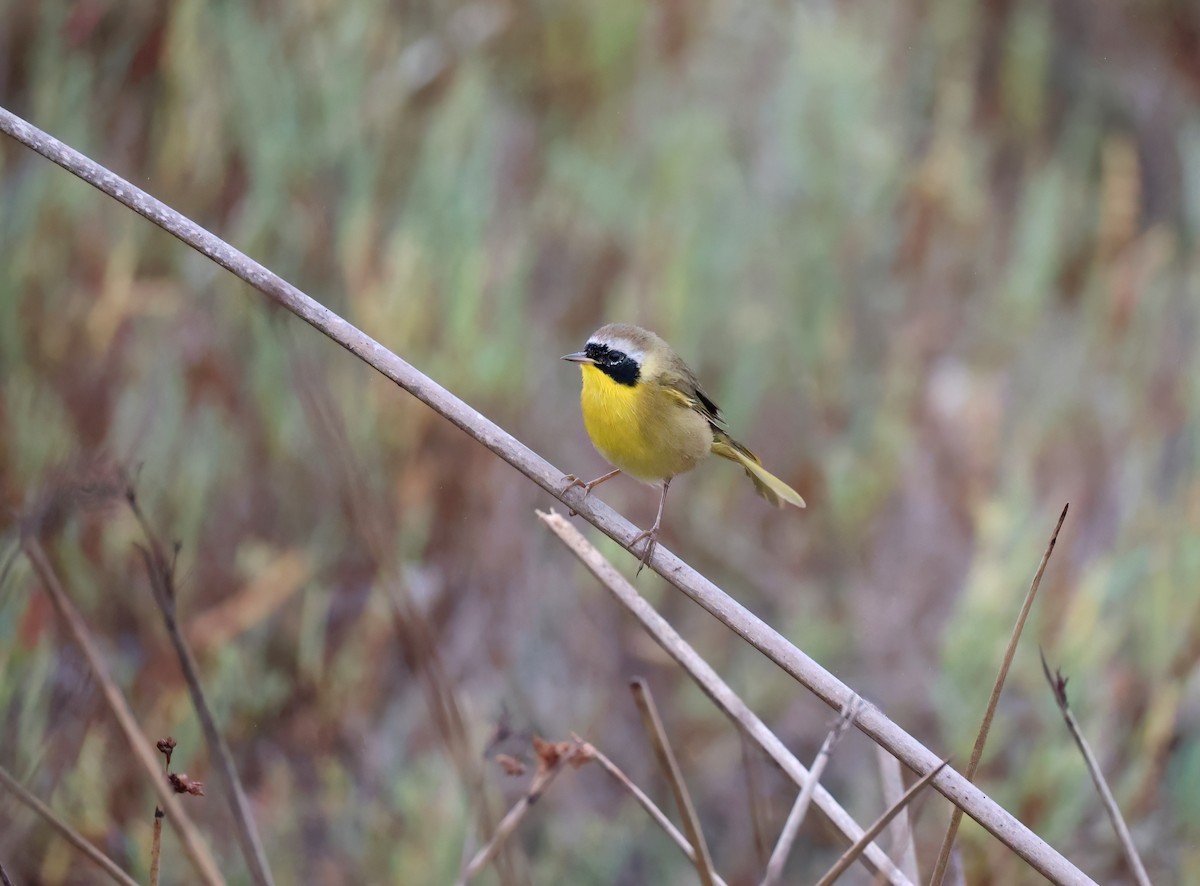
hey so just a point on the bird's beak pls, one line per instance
(579, 357)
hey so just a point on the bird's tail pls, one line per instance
(766, 484)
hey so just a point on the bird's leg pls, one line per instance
(651, 534)
(573, 481)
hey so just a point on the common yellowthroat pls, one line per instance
(647, 415)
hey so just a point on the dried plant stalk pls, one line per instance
(551, 760)
(998, 821)
(139, 743)
(161, 572)
(670, 767)
(1058, 685)
(939, 870)
(68, 833)
(715, 688)
(795, 818)
(847, 859)
(156, 847)
(646, 803)
(900, 832)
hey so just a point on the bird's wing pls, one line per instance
(681, 383)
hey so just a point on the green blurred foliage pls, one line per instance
(937, 261)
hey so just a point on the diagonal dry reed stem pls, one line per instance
(713, 686)
(939, 870)
(756, 802)
(900, 834)
(508, 824)
(791, 827)
(161, 571)
(68, 833)
(574, 753)
(1058, 685)
(671, 771)
(847, 859)
(645, 802)
(995, 819)
(139, 743)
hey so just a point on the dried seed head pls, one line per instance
(165, 746)
(511, 765)
(184, 785)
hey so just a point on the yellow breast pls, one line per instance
(642, 429)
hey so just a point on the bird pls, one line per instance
(648, 416)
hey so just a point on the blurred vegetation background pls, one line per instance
(937, 262)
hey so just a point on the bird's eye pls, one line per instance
(612, 358)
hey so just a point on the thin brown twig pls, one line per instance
(900, 833)
(791, 827)
(1058, 685)
(9, 559)
(994, 818)
(565, 753)
(441, 701)
(161, 571)
(943, 859)
(755, 801)
(671, 771)
(156, 846)
(139, 743)
(507, 825)
(165, 747)
(646, 803)
(726, 700)
(415, 636)
(68, 833)
(847, 859)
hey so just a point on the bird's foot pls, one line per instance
(650, 536)
(572, 481)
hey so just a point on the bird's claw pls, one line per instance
(572, 481)
(650, 536)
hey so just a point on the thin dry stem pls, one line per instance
(1058, 685)
(542, 779)
(646, 803)
(900, 832)
(744, 623)
(714, 687)
(847, 859)
(139, 743)
(791, 827)
(166, 747)
(156, 847)
(68, 833)
(756, 802)
(670, 767)
(939, 870)
(415, 636)
(161, 571)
